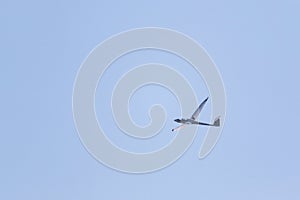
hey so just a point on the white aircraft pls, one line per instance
(192, 120)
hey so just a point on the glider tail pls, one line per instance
(217, 121)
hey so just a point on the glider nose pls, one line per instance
(177, 120)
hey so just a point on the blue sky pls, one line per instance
(255, 45)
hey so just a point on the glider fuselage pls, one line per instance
(186, 121)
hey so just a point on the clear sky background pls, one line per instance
(255, 45)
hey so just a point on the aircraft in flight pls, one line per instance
(192, 120)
